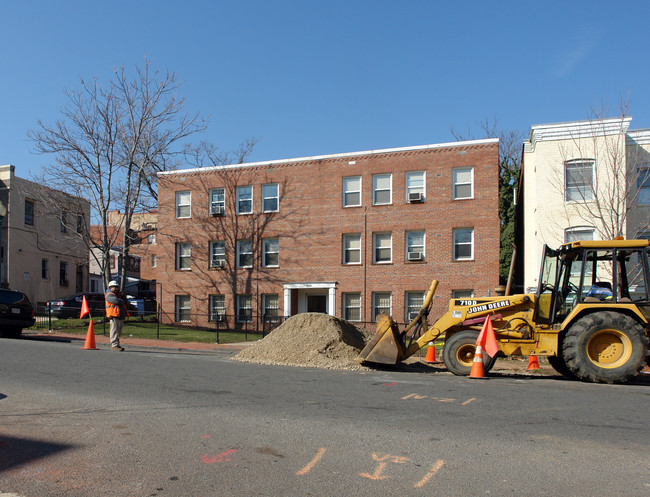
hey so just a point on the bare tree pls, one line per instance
(602, 176)
(109, 144)
(510, 144)
(224, 273)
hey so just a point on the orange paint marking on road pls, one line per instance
(223, 457)
(414, 396)
(468, 401)
(434, 469)
(312, 463)
(380, 467)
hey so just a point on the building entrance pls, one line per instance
(317, 303)
(313, 296)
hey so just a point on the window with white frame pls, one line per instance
(217, 202)
(244, 253)
(352, 249)
(463, 182)
(381, 304)
(643, 184)
(463, 244)
(244, 199)
(183, 309)
(183, 205)
(415, 243)
(352, 191)
(217, 308)
(574, 234)
(271, 252)
(352, 306)
(154, 260)
(183, 256)
(151, 239)
(382, 248)
(244, 308)
(271, 306)
(382, 189)
(579, 233)
(217, 254)
(270, 197)
(413, 302)
(462, 294)
(415, 186)
(579, 180)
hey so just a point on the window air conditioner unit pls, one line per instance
(415, 256)
(218, 263)
(416, 198)
(217, 210)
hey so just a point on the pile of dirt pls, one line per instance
(309, 340)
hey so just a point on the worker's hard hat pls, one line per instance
(113, 283)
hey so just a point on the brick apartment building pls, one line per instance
(350, 234)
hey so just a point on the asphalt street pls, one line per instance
(152, 422)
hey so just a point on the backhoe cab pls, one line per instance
(590, 317)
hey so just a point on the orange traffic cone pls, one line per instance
(431, 353)
(477, 365)
(90, 338)
(533, 363)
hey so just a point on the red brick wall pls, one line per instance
(311, 221)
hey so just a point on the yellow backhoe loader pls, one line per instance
(590, 317)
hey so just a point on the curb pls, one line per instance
(140, 342)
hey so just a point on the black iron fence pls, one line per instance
(250, 327)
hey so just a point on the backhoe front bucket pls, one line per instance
(386, 346)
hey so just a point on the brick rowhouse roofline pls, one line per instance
(487, 141)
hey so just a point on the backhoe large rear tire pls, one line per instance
(605, 347)
(458, 353)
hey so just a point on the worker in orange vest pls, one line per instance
(116, 312)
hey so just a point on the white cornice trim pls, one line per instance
(578, 129)
(334, 156)
(638, 137)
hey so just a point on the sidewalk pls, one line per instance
(102, 341)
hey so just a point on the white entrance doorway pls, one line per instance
(317, 296)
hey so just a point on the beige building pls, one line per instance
(581, 180)
(42, 252)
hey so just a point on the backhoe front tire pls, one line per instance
(605, 347)
(459, 350)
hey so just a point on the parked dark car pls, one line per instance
(16, 313)
(70, 307)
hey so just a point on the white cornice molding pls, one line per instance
(578, 129)
(334, 156)
(638, 137)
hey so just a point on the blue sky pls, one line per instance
(325, 77)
